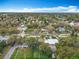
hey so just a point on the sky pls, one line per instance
(39, 6)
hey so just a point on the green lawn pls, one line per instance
(26, 53)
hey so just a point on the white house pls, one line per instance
(4, 38)
(74, 23)
(52, 42)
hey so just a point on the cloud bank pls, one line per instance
(52, 9)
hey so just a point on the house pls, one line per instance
(4, 38)
(74, 23)
(61, 29)
(22, 29)
(71, 23)
(52, 42)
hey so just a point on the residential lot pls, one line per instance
(26, 53)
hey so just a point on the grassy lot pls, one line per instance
(26, 53)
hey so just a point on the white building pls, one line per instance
(74, 23)
(52, 42)
(4, 38)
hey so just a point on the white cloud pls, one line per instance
(53, 9)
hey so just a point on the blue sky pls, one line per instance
(39, 5)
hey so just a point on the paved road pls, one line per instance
(12, 49)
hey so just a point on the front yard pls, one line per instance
(26, 53)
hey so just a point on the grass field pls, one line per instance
(26, 53)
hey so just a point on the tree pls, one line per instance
(33, 44)
(12, 39)
(64, 52)
(2, 45)
(45, 49)
(68, 48)
(3, 31)
(13, 30)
